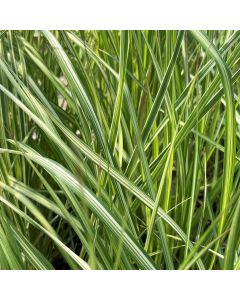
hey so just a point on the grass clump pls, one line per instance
(119, 150)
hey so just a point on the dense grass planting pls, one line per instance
(119, 150)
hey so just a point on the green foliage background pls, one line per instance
(119, 150)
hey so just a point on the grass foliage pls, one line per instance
(119, 150)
